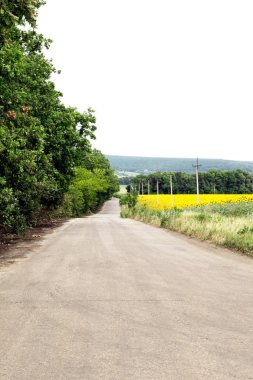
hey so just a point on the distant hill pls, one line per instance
(133, 164)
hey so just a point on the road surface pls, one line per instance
(109, 298)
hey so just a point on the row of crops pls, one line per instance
(166, 202)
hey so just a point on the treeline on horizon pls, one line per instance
(146, 165)
(211, 182)
(47, 164)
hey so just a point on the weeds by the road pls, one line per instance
(229, 225)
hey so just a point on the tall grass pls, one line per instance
(229, 225)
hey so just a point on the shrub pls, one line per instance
(203, 217)
(129, 199)
(11, 217)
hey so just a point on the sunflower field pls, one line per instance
(181, 201)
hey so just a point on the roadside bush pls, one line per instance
(245, 230)
(165, 220)
(11, 217)
(129, 199)
(203, 217)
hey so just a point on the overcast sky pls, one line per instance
(166, 78)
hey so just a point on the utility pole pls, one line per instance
(157, 191)
(148, 192)
(142, 187)
(197, 178)
(171, 192)
(139, 188)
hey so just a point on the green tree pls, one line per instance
(14, 13)
(41, 140)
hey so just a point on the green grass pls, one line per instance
(229, 225)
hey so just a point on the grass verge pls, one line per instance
(229, 225)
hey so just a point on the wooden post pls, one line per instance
(197, 184)
(157, 192)
(148, 192)
(197, 178)
(171, 193)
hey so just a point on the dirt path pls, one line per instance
(109, 298)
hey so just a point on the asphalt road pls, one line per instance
(109, 298)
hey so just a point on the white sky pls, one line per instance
(166, 78)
